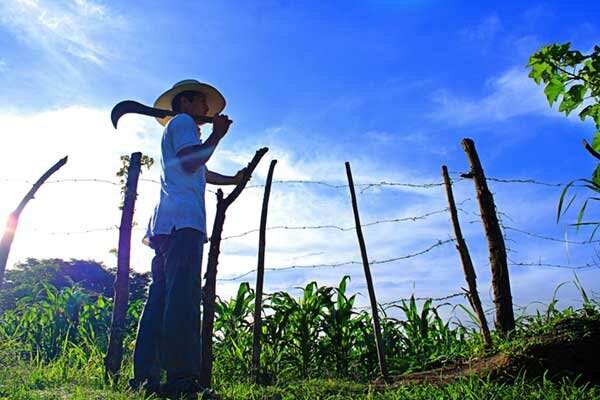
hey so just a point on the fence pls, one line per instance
(508, 228)
(365, 189)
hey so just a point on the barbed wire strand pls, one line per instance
(392, 303)
(343, 229)
(315, 227)
(536, 235)
(540, 264)
(364, 186)
(341, 264)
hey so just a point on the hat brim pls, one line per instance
(214, 99)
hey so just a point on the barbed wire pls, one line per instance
(510, 228)
(549, 265)
(87, 180)
(427, 250)
(363, 186)
(447, 297)
(342, 229)
(95, 230)
(341, 264)
(279, 227)
(397, 301)
(529, 181)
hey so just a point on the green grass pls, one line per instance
(317, 346)
(60, 380)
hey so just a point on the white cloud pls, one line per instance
(36, 141)
(485, 31)
(61, 28)
(512, 94)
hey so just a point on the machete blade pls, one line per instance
(133, 107)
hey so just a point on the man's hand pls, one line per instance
(221, 124)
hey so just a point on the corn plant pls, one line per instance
(342, 330)
(303, 325)
(233, 331)
(423, 336)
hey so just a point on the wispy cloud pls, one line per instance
(512, 94)
(485, 31)
(63, 28)
(94, 149)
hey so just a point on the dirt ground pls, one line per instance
(571, 349)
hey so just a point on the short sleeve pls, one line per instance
(183, 132)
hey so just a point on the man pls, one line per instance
(169, 330)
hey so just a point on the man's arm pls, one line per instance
(217, 179)
(193, 157)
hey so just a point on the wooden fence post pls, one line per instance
(256, 345)
(13, 217)
(465, 258)
(365, 260)
(505, 319)
(114, 354)
(209, 290)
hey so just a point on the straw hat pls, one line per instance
(214, 99)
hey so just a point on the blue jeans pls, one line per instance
(168, 334)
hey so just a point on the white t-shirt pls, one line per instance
(181, 203)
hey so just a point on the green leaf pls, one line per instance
(596, 174)
(554, 89)
(593, 232)
(561, 200)
(596, 146)
(567, 104)
(587, 112)
(539, 67)
(580, 215)
(577, 93)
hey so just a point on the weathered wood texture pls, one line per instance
(13, 218)
(365, 260)
(209, 290)
(256, 341)
(505, 319)
(467, 263)
(114, 354)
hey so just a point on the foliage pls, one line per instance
(571, 76)
(53, 341)
(92, 277)
(573, 79)
(322, 334)
(146, 161)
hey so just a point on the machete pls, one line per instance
(133, 107)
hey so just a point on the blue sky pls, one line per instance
(391, 86)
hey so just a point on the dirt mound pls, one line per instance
(570, 348)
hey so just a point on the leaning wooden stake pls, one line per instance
(13, 218)
(114, 354)
(465, 258)
(365, 260)
(209, 290)
(259, 276)
(505, 319)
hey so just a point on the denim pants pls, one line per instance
(168, 334)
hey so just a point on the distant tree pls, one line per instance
(573, 78)
(93, 277)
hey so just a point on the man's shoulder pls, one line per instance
(180, 121)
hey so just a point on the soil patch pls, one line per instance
(571, 348)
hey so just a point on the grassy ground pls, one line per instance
(63, 380)
(50, 351)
